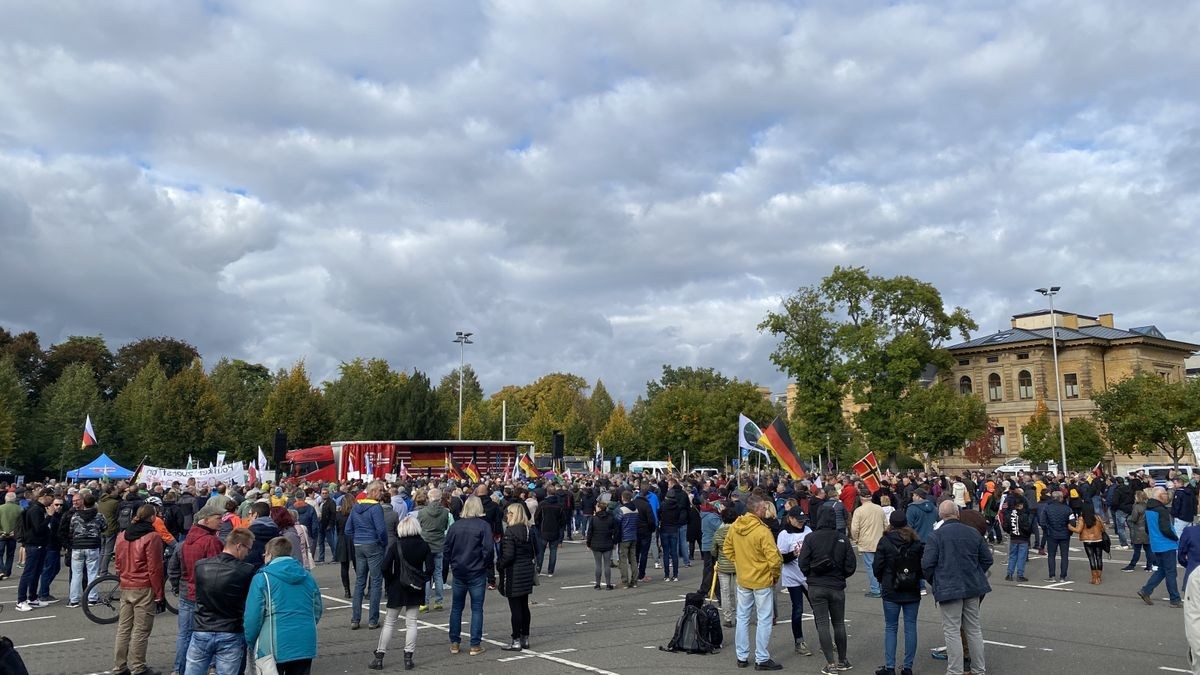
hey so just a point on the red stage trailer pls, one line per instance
(336, 461)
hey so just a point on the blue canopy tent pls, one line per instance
(101, 467)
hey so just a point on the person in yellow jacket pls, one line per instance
(751, 548)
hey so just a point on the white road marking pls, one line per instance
(541, 655)
(46, 644)
(561, 651)
(1173, 670)
(515, 658)
(567, 588)
(1060, 583)
(32, 618)
(1003, 644)
(663, 602)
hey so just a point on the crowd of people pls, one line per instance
(240, 560)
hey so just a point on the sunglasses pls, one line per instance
(57, 504)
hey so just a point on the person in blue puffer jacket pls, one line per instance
(710, 520)
(282, 610)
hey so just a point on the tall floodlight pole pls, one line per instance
(463, 339)
(1062, 436)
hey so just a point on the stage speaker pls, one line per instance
(559, 442)
(280, 446)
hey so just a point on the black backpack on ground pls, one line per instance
(716, 636)
(692, 629)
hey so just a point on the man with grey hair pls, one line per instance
(434, 519)
(1164, 548)
(1055, 517)
(956, 562)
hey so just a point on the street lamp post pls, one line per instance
(1062, 436)
(464, 339)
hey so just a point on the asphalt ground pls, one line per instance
(1035, 627)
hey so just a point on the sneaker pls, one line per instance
(657, 566)
(354, 625)
(550, 576)
(872, 594)
(437, 606)
(884, 670)
(924, 592)
(674, 578)
(35, 603)
(906, 671)
(1145, 597)
(72, 605)
(769, 664)
(454, 649)
(1023, 580)
(1177, 605)
(1128, 568)
(802, 648)
(742, 664)
(24, 607)
(1008, 577)
(424, 609)
(1050, 580)
(48, 600)
(844, 666)
(830, 669)
(477, 650)
(938, 654)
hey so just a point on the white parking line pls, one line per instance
(541, 655)
(32, 618)
(1003, 644)
(567, 588)
(664, 602)
(1173, 670)
(46, 644)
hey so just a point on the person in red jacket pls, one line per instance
(201, 543)
(848, 497)
(140, 566)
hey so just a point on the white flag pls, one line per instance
(262, 460)
(220, 458)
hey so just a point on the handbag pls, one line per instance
(265, 665)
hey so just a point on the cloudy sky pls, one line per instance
(593, 187)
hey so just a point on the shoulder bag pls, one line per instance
(265, 665)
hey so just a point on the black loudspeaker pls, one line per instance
(280, 446)
(559, 442)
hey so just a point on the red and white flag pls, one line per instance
(89, 434)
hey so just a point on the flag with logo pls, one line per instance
(868, 471)
(749, 436)
(89, 434)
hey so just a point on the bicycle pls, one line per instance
(107, 589)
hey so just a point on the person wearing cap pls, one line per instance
(866, 528)
(201, 543)
(37, 533)
(789, 542)
(898, 546)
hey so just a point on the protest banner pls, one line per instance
(225, 473)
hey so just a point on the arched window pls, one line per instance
(995, 388)
(964, 385)
(1024, 385)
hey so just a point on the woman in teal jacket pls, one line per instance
(293, 610)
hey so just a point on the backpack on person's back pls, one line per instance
(906, 568)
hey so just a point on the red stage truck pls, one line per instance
(346, 459)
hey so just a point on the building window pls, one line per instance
(995, 388)
(964, 385)
(1022, 356)
(1071, 385)
(1025, 385)
(964, 362)
(993, 359)
(1001, 440)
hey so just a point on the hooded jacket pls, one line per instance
(291, 630)
(551, 519)
(264, 529)
(1158, 526)
(826, 558)
(366, 524)
(434, 519)
(140, 558)
(200, 543)
(921, 517)
(751, 548)
(1183, 504)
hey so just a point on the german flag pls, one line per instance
(428, 459)
(527, 465)
(453, 470)
(472, 471)
(777, 439)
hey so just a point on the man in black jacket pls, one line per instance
(37, 534)
(327, 526)
(645, 533)
(1121, 506)
(222, 583)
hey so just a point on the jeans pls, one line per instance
(891, 624)
(1037, 531)
(727, 592)
(27, 587)
(869, 561)
(222, 650)
(627, 562)
(758, 600)
(106, 554)
(82, 559)
(683, 549)
(458, 593)
(643, 553)
(1018, 553)
(796, 593)
(1121, 522)
(553, 547)
(1166, 561)
(370, 563)
(1178, 525)
(187, 613)
(959, 618)
(603, 564)
(326, 535)
(1137, 554)
(436, 585)
(580, 522)
(1059, 546)
(829, 607)
(8, 552)
(670, 543)
(50, 567)
(389, 627)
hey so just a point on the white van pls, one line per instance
(654, 468)
(1015, 467)
(706, 471)
(1159, 472)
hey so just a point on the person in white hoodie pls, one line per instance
(790, 541)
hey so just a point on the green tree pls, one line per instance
(243, 389)
(1145, 413)
(1085, 446)
(447, 394)
(172, 355)
(137, 412)
(90, 350)
(14, 409)
(619, 438)
(26, 352)
(872, 337)
(600, 408)
(515, 415)
(355, 392)
(554, 402)
(937, 420)
(190, 420)
(481, 421)
(409, 412)
(65, 405)
(1041, 437)
(298, 408)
